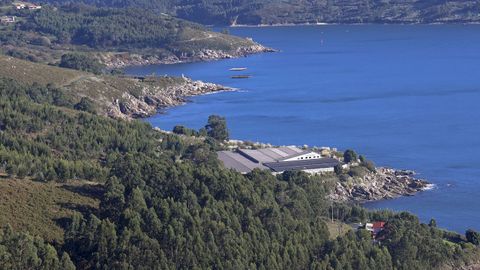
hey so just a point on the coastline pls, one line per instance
(123, 60)
(383, 184)
(154, 98)
(356, 182)
(281, 24)
(347, 24)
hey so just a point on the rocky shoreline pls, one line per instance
(153, 96)
(383, 184)
(122, 60)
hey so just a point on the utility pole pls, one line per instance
(332, 210)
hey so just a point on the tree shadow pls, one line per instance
(85, 210)
(63, 222)
(92, 191)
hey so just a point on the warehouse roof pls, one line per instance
(271, 154)
(238, 162)
(309, 164)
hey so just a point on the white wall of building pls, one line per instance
(311, 155)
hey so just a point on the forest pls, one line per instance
(168, 203)
(101, 28)
(221, 12)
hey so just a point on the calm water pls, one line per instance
(404, 96)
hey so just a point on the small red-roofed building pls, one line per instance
(378, 226)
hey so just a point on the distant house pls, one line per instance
(277, 159)
(24, 5)
(375, 228)
(19, 5)
(33, 6)
(369, 227)
(7, 19)
(378, 227)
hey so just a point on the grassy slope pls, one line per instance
(29, 73)
(102, 89)
(42, 208)
(337, 228)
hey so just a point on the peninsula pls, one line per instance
(94, 39)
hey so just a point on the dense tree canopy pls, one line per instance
(22, 251)
(217, 127)
(350, 156)
(113, 28)
(221, 12)
(473, 237)
(81, 62)
(170, 204)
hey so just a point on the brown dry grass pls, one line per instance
(102, 89)
(337, 228)
(29, 72)
(43, 208)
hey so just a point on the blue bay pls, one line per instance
(404, 96)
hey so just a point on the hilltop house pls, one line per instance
(375, 228)
(277, 159)
(19, 5)
(378, 227)
(7, 19)
(33, 6)
(25, 5)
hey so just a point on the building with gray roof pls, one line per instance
(278, 160)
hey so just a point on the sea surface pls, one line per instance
(404, 96)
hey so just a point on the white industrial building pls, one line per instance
(277, 159)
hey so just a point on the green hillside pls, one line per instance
(116, 96)
(42, 208)
(114, 37)
(168, 203)
(222, 12)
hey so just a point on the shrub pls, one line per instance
(473, 237)
(85, 105)
(358, 171)
(81, 62)
(217, 128)
(349, 156)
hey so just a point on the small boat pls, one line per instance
(238, 69)
(241, 76)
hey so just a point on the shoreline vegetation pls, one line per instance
(347, 24)
(360, 181)
(128, 97)
(122, 60)
(97, 189)
(255, 12)
(123, 97)
(105, 40)
(146, 199)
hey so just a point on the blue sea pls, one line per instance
(404, 96)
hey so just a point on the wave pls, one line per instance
(429, 187)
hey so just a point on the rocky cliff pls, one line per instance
(383, 184)
(121, 60)
(151, 95)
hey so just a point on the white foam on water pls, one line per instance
(429, 187)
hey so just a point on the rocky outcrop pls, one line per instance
(151, 97)
(121, 60)
(385, 183)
